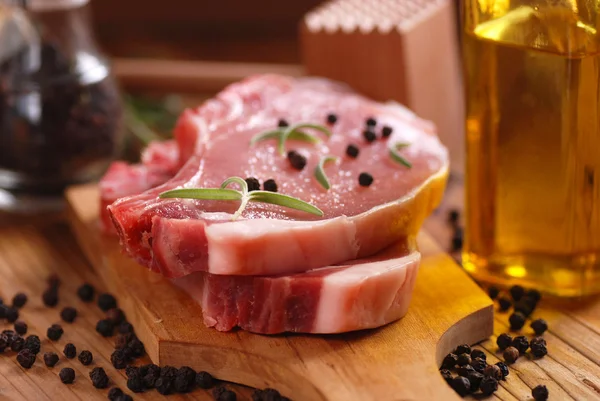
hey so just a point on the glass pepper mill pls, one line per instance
(60, 110)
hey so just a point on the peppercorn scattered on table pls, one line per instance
(33, 249)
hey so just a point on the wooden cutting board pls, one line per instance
(397, 362)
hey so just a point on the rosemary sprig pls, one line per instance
(320, 172)
(397, 157)
(292, 132)
(243, 196)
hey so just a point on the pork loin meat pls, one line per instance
(180, 236)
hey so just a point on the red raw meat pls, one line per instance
(180, 236)
(358, 295)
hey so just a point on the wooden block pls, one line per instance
(403, 50)
(398, 361)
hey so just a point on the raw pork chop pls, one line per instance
(360, 295)
(180, 236)
(160, 161)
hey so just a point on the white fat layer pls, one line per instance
(377, 284)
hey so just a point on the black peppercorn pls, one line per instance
(184, 380)
(456, 242)
(26, 358)
(168, 371)
(331, 118)
(114, 393)
(204, 380)
(463, 359)
(164, 385)
(488, 385)
(217, 391)
(54, 332)
(539, 350)
(370, 122)
(135, 384)
(511, 354)
(534, 295)
(19, 300)
(68, 314)
(479, 364)
(227, 395)
(150, 369)
(149, 380)
(352, 151)
(516, 320)
(125, 328)
(463, 349)
(386, 131)
(461, 385)
(122, 340)
(539, 326)
(369, 135)
(477, 353)
(67, 375)
(12, 314)
(365, 179)
(115, 315)
(453, 217)
(446, 375)
(70, 351)
(119, 359)
(282, 123)
(50, 359)
(504, 303)
(524, 307)
(253, 184)
(268, 394)
(136, 347)
(475, 379)
(493, 371)
(537, 340)
(99, 378)
(503, 368)
(3, 309)
(540, 393)
(504, 340)
(465, 370)
(85, 357)
(270, 185)
(50, 297)
(21, 327)
(449, 361)
(53, 281)
(125, 397)
(17, 343)
(517, 292)
(106, 301)
(33, 343)
(105, 327)
(521, 344)
(296, 160)
(493, 292)
(86, 292)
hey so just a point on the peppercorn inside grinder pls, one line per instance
(60, 110)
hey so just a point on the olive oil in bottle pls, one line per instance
(532, 73)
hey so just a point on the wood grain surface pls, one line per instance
(447, 309)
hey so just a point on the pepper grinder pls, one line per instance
(60, 109)
(401, 50)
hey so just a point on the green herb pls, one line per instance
(243, 196)
(396, 156)
(320, 172)
(292, 132)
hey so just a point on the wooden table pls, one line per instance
(44, 245)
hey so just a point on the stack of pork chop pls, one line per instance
(275, 269)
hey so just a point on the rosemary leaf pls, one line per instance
(289, 130)
(237, 180)
(203, 193)
(320, 172)
(244, 196)
(397, 157)
(295, 135)
(290, 202)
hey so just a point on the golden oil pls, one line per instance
(532, 76)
